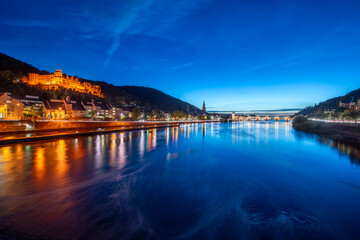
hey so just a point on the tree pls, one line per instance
(351, 114)
(136, 113)
(338, 113)
(321, 115)
(33, 113)
(335, 115)
(154, 115)
(178, 115)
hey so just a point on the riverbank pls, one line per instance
(50, 134)
(346, 133)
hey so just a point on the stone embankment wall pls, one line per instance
(28, 125)
(9, 127)
(6, 126)
(40, 125)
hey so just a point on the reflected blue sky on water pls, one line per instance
(199, 181)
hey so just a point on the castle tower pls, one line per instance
(203, 107)
(58, 77)
(33, 78)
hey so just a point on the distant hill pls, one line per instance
(11, 71)
(332, 103)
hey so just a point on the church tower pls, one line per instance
(203, 107)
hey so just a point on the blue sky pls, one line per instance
(235, 55)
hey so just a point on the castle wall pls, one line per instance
(56, 80)
(45, 79)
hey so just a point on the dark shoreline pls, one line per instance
(349, 134)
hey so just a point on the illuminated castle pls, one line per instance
(56, 80)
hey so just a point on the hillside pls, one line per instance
(11, 70)
(332, 103)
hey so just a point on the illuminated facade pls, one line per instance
(102, 110)
(56, 80)
(13, 107)
(10, 107)
(55, 109)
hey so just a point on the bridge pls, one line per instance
(260, 115)
(262, 118)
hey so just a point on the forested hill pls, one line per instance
(11, 70)
(143, 96)
(332, 103)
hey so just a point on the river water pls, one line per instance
(249, 180)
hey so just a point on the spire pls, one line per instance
(203, 107)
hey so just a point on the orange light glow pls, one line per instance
(39, 164)
(56, 80)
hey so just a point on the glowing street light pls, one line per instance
(5, 111)
(18, 111)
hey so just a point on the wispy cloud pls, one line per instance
(149, 17)
(182, 66)
(28, 23)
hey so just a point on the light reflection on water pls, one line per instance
(245, 180)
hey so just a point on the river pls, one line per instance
(246, 180)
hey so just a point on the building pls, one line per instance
(233, 116)
(33, 106)
(55, 109)
(74, 109)
(56, 80)
(89, 108)
(104, 110)
(164, 115)
(118, 112)
(101, 110)
(203, 107)
(10, 107)
(15, 108)
(127, 112)
(329, 111)
(350, 103)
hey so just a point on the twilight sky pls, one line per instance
(235, 55)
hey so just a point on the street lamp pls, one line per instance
(18, 111)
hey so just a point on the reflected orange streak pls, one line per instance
(188, 133)
(62, 166)
(6, 157)
(149, 141)
(176, 135)
(39, 163)
(173, 134)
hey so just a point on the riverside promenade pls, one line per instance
(347, 132)
(342, 121)
(48, 130)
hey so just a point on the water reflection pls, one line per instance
(39, 164)
(139, 184)
(64, 160)
(345, 149)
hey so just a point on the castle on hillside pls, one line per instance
(56, 80)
